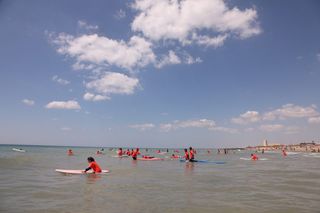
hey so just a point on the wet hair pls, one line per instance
(190, 148)
(185, 150)
(90, 159)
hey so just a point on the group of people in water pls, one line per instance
(189, 156)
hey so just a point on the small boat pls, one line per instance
(18, 150)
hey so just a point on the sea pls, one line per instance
(29, 182)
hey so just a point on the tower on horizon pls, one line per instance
(265, 142)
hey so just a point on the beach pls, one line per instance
(29, 182)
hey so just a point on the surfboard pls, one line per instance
(150, 159)
(203, 161)
(123, 156)
(79, 172)
(18, 150)
(250, 159)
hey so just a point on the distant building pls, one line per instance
(265, 143)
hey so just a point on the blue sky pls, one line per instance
(158, 73)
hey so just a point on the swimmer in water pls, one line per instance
(284, 153)
(70, 152)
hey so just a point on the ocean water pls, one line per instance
(29, 183)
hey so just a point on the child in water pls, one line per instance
(93, 165)
(254, 157)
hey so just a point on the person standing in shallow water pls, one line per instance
(191, 154)
(186, 154)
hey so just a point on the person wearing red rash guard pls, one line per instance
(173, 156)
(93, 165)
(120, 152)
(128, 152)
(70, 152)
(135, 154)
(191, 151)
(284, 154)
(186, 155)
(254, 157)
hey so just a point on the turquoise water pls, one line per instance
(29, 183)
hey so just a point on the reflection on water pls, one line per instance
(30, 184)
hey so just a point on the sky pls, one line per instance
(159, 73)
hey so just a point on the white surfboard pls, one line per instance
(122, 156)
(18, 150)
(79, 172)
(250, 159)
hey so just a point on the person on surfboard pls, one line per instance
(93, 165)
(284, 153)
(254, 157)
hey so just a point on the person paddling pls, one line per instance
(93, 165)
(284, 153)
(254, 157)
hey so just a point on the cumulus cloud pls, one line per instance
(28, 102)
(66, 129)
(84, 25)
(201, 123)
(285, 112)
(143, 127)
(63, 105)
(291, 111)
(61, 81)
(224, 129)
(247, 117)
(100, 50)
(92, 97)
(113, 83)
(186, 20)
(171, 58)
(314, 120)
(120, 14)
(272, 127)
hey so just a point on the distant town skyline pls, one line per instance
(149, 73)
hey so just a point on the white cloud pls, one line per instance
(120, 14)
(201, 123)
(246, 118)
(84, 25)
(60, 80)
(143, 127)
(63, 105)
(114, 83)
(92, 97)
(286, 111)
(100, 50)
(209, 41)
(171, 58)
(314, 120)
(291, 111)
(179, 20)
(66, 129)
(28, 102)
(272, 128)
(224, 129)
